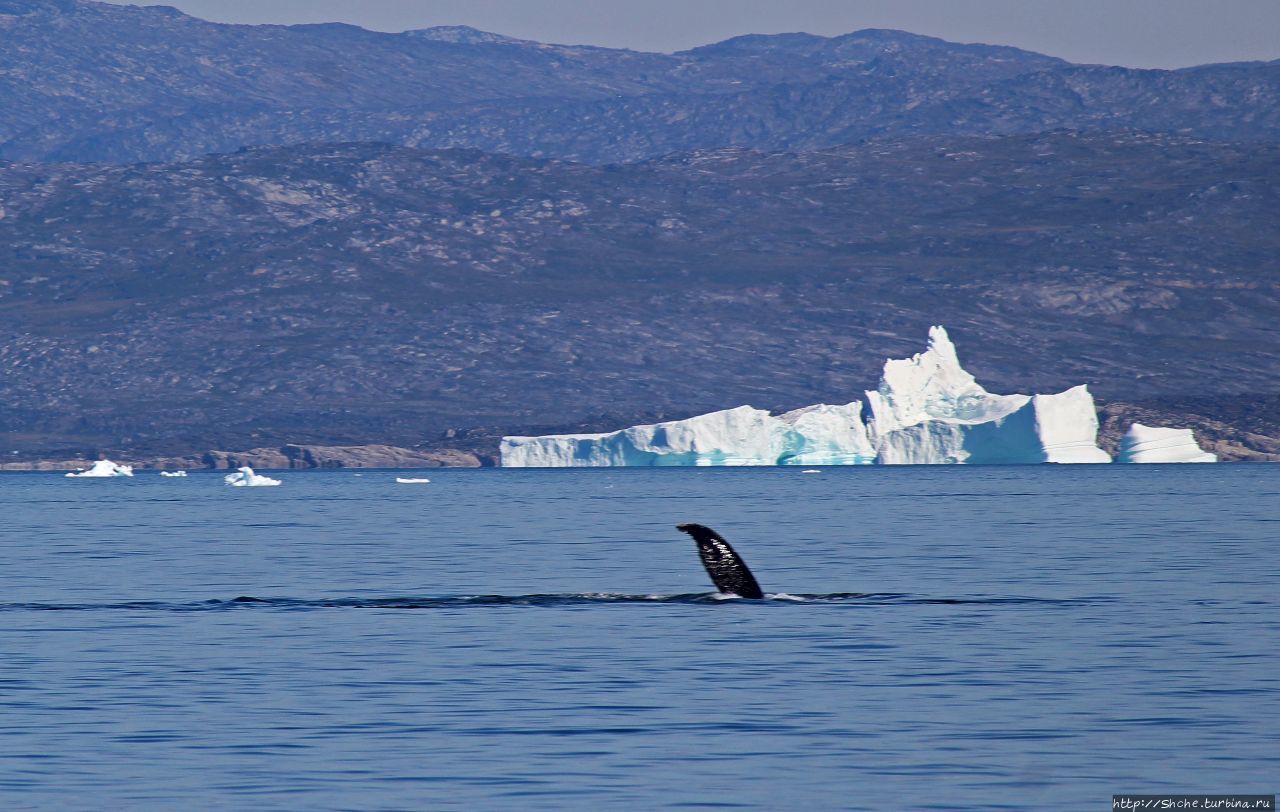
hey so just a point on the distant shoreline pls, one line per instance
(285, 458)
(361, 458)
(1232, 435)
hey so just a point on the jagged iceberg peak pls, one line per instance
(932, 385)
(1156, 444)
(928, 410)
(102, 469)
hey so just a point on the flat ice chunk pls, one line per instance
(1154, 444)
(817, 435)
(1066, 426)
(410, 481)
(931, 442)
(173, 473)
(827, 435)
(102, 469)
(1058, 428)
(246, 478)
(741, 436)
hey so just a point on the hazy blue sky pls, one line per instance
(1138, 33)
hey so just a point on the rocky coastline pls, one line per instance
(287, 457)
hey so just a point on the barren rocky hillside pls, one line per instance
(357, 293)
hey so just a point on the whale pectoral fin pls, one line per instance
(728, 571)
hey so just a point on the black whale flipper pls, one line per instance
(728, 572)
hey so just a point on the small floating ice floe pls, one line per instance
(410, 481)
(245, 477)
(173, 473)
(103, 469)
(811, 471)
(1154, 444)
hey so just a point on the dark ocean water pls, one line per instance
(1034, 638)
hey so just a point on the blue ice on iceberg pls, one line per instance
(816, 435)
(928, 410)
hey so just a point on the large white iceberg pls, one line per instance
(246, 478)
(1152, 444)
(927, 410)
(102, 469)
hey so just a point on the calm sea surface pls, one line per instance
(1035, 638)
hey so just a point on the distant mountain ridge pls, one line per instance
(464, 34)
(88, 81)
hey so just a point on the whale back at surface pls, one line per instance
(728, 571)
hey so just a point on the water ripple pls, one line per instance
(539, 600)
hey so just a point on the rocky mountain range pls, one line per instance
(301, 240)
(88, 81)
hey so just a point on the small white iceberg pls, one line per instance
(246, 478)
(102, 469)
(173, 473)
(1154, 444)
(409, 481)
